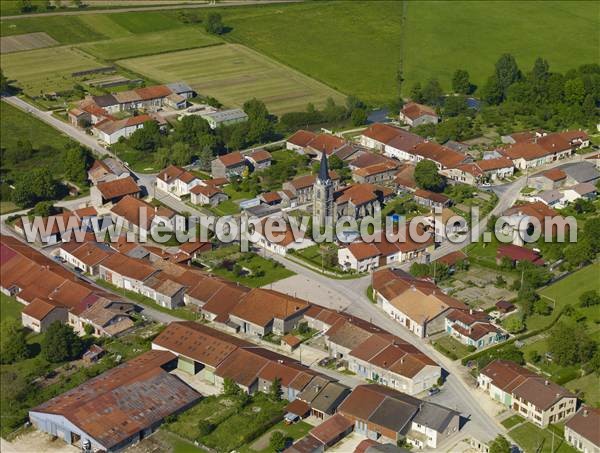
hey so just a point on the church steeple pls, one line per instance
(323, 168)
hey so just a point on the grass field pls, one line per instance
(590, 387)
(535, 440)
(42, 70)
(234, 74)
(104, 25)
(447, 344)
(512, 421)
(129, 46)
(65, 29)
(27, 41)
(271, 271)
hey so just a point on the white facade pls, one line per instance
(349, 262)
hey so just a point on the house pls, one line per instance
(93, 354)
(331, 431)
(387, 415)
(277, 235)
(442, 156)
(271, 198)
(376, 174)
(106, 317)
(548, 180)
(582, 432)
(415, 114)
(389, 139)
(56, 228)
(125, 272)
(299, 140)
(86, 256)
(140, 217)
(107, 169)
(110, 131)
(262, 311)
(228, 165)
(224, 117)
(306, 142)
(176, 181)
(259, 159)
(39, 314)
(578, 172)
(404, 181)
(504, 306)
(359, 257)
(207, 195)
(533, 397)
(536, 210)
(474, 173)
(585, 190)
(103, 415)
(113, 191)
(360, 200)
(431, 199)
(496, 168)
(302, 187)
(417, 304)
(473, 328)
(517, 254)
(322, 397)
(540, 149)
(189, 251)
(552, 198)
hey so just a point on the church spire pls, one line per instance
(323, 168)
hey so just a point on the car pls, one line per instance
(433, 391)
(79, 270)
(60, 259)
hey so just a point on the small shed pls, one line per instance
(93, 354)
(504, 306)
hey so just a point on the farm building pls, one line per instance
(224, 117)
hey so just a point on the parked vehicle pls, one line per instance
(433, 391)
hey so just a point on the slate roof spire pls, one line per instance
(323, 168)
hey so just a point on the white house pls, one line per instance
(176, 181)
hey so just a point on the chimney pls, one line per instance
(558, 395)
(546, 382)
(470, 311)
(585, 412)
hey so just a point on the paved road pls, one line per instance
(149, 8)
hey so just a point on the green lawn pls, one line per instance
(451, 347)
(313, 255)
(10, 307)
(567, 291)
(46, 142)
(65, 29)
(294, 432)
(511, 421)
(535, 440)
(150, 43)
(589, 388)
(263, 271)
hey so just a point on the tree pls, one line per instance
(455, 105)
(589, 109)
(500, 445)
(541, 70)
(44, 209)
(574, 91)
(35, 185)
(230, 388)
(275, 390)
(427, 176)
(277, 441)
(3, 82)
(76, 161)
(570, 346)
(214, 24)
(205, 428)
(419, 269)
(146, 138)
(359, 117)
(13, 343)
(589, 298)
(507, 72)
(492, 92)
(432, 92)
(181, 153)
(541, 307)
(88, 329)
(61, 343)
(456, 128)
(460, 82)
(580, 252)
(416, 93)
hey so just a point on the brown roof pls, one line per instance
(383, 133)
(376, 169)
(326, 142)
(173, 172)
(301, 138)
(406, 176)
(232, 159)
(198, 342)
(414, 110)
(368, 159)
(362, 250)
(270, 197)
(359, 194)
(298, 407)
(586, 423)
(207, 191)
(554, 142)
(332, 429)
(154, 92)
(118, 188)
(131, 208)
(39, 309)
(537, 209)
(494, 164)
(129, 267)
(435, 197)
(118, 404)
(89, 253)
(555, 174)
(450, 259)
(302, 182)
(242, 366)
(260, 155)
(261, 306)
(527, 151)
(445, 156)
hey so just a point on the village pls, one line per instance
(481, 337)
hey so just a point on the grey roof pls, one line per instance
(115, 166)
(385, 448)
(225, 115)
(434, 416)
(581, 171)
(394, 414)
(179, 87)
(330, 397)
(457, 146)
(550, 196)
(323, 168)
(137, 252)
(262, 210)
(583, 188)
(312, 390)
(105, 100)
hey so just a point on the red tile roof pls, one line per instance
(518, 253)
(118, 188)
(232, 159)
(414, 110)
(301, 138)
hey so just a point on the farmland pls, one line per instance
(234, 74)
(149, 43)
(64, 29)
(43, 71)
(26, 41)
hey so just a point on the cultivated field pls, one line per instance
(64, 29)
(40, 71)
(149, 43)
(27, 41)
(234, 74)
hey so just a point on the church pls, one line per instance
(355, 200)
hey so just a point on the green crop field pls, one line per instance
(65, 29)
(45, 70)
(150, 43)
(234, 74)
(104, 25)
(146, 21)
